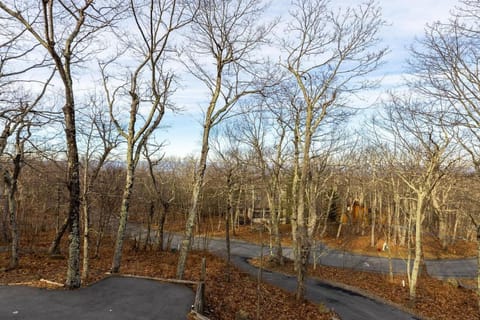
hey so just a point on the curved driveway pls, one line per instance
(349, 305)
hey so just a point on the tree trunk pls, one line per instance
(374, 218)
(5, 219)
(442, 220)
(122, 225)
(406, 221)
(228, 215)
(192, 214)
(237, 211)
(304, 219)
(103, 223)
(151, 213)
(312, 211)
(418, 246)
(73, 183)
(327, 213)
(478, 264)
(161, 225)
(55, 246)
(302, 264)
(303, 246)
(12, 186)
(86, 238)
(443, 230)
(13, 229)
(188, 235)
(275, 239)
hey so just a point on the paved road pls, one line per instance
(335, 258)
(441, 268)
(349, 305)
(457, 268)
(114, 298)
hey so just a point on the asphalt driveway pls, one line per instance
(112, 298)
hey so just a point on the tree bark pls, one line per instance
(418, 246)
(151, 213)
(197, 188)
(55, 245)
(86, 239)
(73, 184)
(188, 235)
(122, 225)
(478, 264)
(228, 215)
(161, 225)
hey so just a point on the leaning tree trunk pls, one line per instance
(122, 225)
(55, 245)
(188, 235)
(192, 214)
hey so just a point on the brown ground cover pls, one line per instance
(435, 299)
(431, 246)
(223, 299)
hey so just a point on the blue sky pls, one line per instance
(406, 20)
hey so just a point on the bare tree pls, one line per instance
(445, 63)
(423, 155)
(229, 164)
(229, 34)
(163, 190)
(10, 178)
(328, 54)
(100, 139)
(64, 29)
(149, 87)
(265, 135)
(17, 110)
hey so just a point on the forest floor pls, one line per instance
(436, 299)
(224, 299)
(242, 295)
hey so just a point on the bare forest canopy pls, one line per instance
(85, 87)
